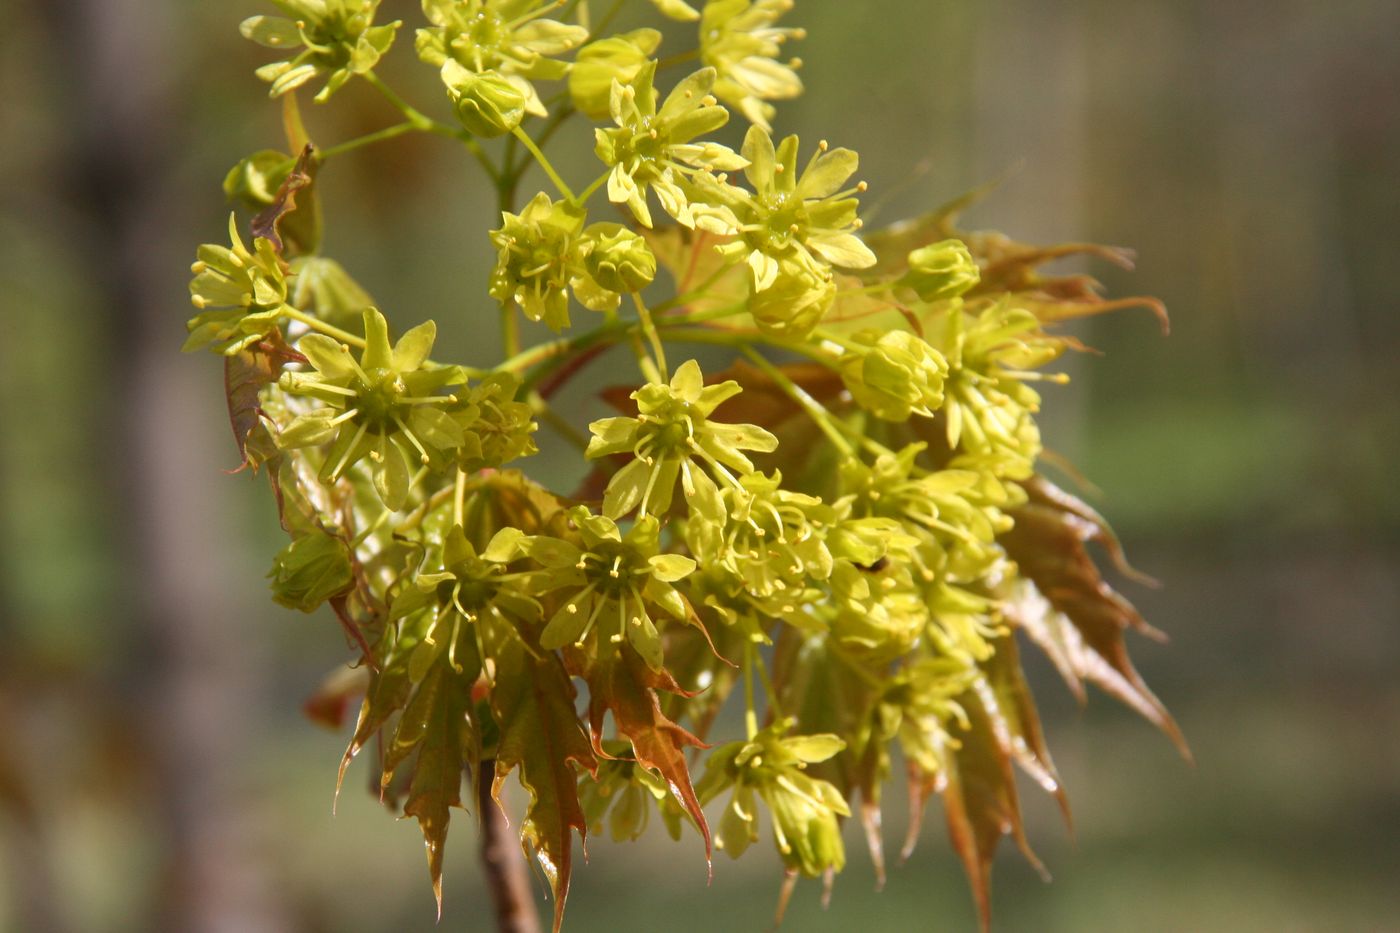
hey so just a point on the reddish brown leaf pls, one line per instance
(244, 376)
(626, 687)
(1011, 697)
(435, 724)
(980, 802)
(1009, 267)
(388, 693)
(330, 702)
(1081, 620)
(533, 702)
(267, 223)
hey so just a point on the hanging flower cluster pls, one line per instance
(844, 530)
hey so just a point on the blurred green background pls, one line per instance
(155, 770)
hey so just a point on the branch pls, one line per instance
(504, 862)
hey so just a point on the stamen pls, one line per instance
(349, 451)
(346, 416)
(413, 439)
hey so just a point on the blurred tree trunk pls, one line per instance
(190, 667)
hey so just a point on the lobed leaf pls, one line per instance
(533, 702)
(623, 685)
(1074, 614)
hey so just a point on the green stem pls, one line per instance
(839, 653)
(589, 191)
(822, 333)
(315, 323)
(678, 59)
(607, 19)
(459, 497)
(510, 330)
(750, 713)
(649, 328)
(644, 361)
(426, 123)
(529, 144)
(561, 426)
(814, 409)
(692, 294)
(389, 132)
(768, 689)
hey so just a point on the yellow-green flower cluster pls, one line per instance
(609, 583)
(240, 293)
(505, 43)
(384, 407)
(337, 38)
(793, 228)
(673, 437)
(542, 258)
(739, 39)
(863, 578)
(653, 150)
(772, 767)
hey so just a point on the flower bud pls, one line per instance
(941, 270)
(619, 260)
(794, 304)
(487, 103)
(253, 182)
(897, 376)
(806, 828)
(619, 57)
(310, 570)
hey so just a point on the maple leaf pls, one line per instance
(533, 702)
(623, 685)
(690, 257)
(1008, 696)
(979, 797)
(1009, 267)
(437, 729)
(1072, 613)
(268, 223)
(437, 725)
(245, 374)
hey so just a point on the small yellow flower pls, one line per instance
(739, 40)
